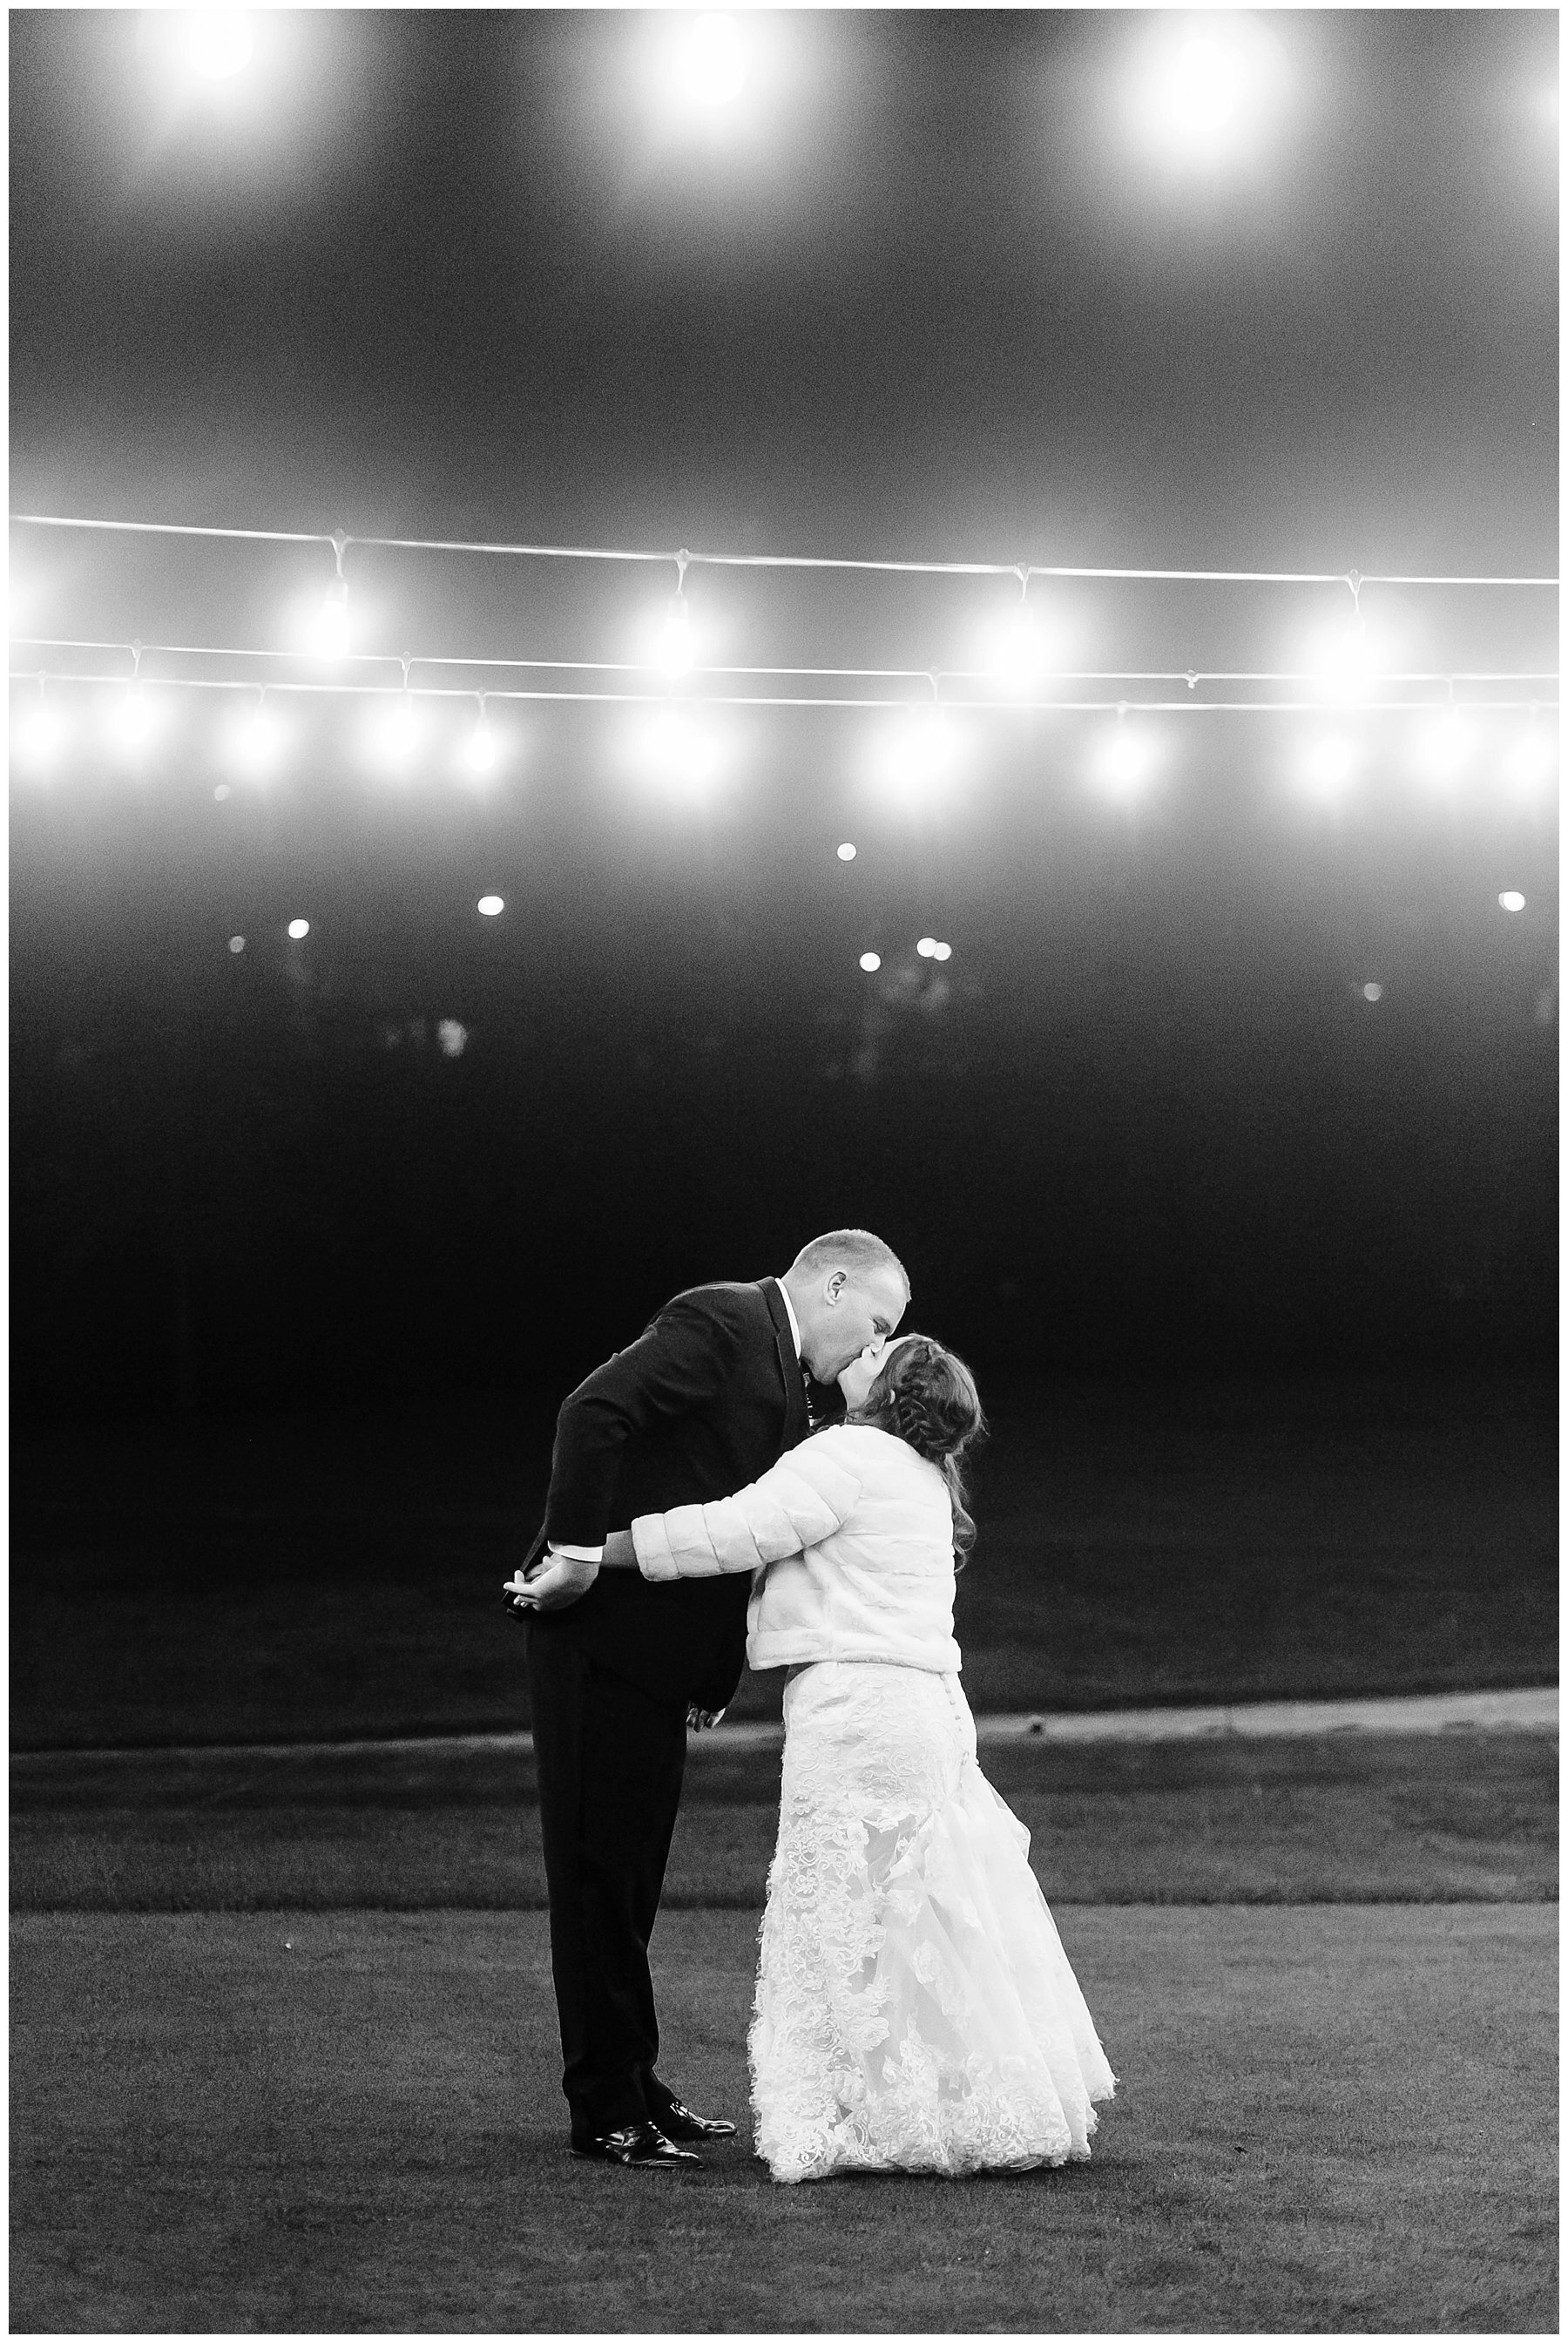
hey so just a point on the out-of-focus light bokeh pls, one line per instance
(256, 741)
(1126, 761)
(1443, 746)
(1326, 767)
(41, 735)
(871, 962)
(216, 43)
(490, 906)
(1511, 899)
(1209, 91)
(298, 929)
(846, 852)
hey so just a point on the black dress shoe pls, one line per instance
(678, 2122)
(639, 2143)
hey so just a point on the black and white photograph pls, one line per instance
(784, 1016)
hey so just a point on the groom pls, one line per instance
(712, 1392)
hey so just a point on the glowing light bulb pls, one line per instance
(298, 929)
(134, 722)
(1205, 87)
(1531, 758)
(329, 637)
(255, 743)
(1511, 899)
(1346, 666)
(396, 733)
(712, 66)
(679, 748)
(675, 645)
(1327, 766)
(871, 962)
(1442, 745)
(916, 753)
(41, 736)
(217, 42)
(927, 947)
(846, 852)
(1018, 652)
(1126, 761)
(941, 952)
(491, 906)
(479, 754)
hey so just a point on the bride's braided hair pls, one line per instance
(927, 1396)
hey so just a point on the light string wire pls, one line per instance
(406, 661)
(683, 558)
(663, 698)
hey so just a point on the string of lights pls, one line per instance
(683, 558)
(1192, 676)
(661, 698)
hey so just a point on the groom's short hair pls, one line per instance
(852, 1248)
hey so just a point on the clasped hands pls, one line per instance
(556, 1580)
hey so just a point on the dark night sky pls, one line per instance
(455, 274)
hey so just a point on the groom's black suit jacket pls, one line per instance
(706, 1398)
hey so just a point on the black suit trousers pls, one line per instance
(610, 1758)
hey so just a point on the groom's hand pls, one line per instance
(560, 1581)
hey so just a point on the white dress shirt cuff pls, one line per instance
(578, 1553)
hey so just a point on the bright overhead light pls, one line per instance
(1205, 89)
(1444, 744)
(1372, 992)
(1531, 758)
(329, 636)
(41, 736)
(298, 929)
(710, 62)
(676, 651)
(1126, 760)
(236, 943)
(481, 751)
(1511, 899)
(1327, 767)
(397, 730)
(678, 748)
(1209, 93)
(135, 722)
(1346, 664)
(846, 852)
(217, 42)
(491, 906)
(941, 952)
(256, 742)
(914, 755)
(1018, 652)
(871, 962)
(927, 947)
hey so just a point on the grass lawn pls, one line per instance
(318, 1580)
(1356, 1818)
(1328, 2119)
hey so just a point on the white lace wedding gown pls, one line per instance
(915, 2011)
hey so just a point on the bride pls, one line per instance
(915, 2011)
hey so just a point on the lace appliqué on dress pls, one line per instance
(915, 2011)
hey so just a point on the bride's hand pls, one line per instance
(561, 1581)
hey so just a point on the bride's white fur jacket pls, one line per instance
(852, 1539)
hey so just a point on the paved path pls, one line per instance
(1530, 1711)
